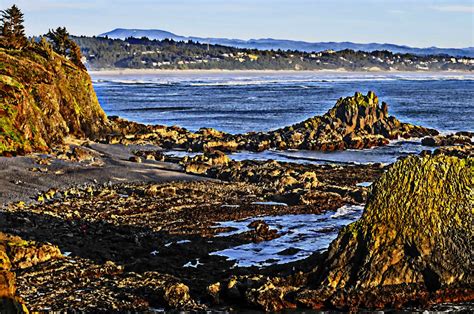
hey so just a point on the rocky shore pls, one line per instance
(410, 248)
(100, 219)
(169, 227)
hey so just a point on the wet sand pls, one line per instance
(19, 183)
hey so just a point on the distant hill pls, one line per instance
(269, 43)
(145, 53)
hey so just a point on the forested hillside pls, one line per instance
(102, 52)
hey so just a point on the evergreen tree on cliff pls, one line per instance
(12, 31)
(59, 38)
(63, 45)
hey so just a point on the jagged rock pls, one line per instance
(354, 122)
(262, 232)
(460, 138)
(20, 254)
(135, 159)
(461, 151)
(199, 164)
(45, 97)
(264, 293)
(16, 253)
(413, 242)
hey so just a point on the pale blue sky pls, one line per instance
(421, 23)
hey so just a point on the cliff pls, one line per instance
(44, 98)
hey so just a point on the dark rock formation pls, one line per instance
(354, 122)
(15, 254)
(412, 245)
(459, 138)
(261, 232)
(44, 98)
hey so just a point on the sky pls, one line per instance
(418, 23)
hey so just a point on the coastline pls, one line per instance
(113, 72)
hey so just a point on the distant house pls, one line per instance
(253, 57)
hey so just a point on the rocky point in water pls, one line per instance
(353, 123)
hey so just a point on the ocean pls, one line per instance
(239, 102)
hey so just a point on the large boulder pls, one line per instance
(44, 98)
(412, 245)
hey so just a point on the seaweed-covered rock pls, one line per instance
(412, 244)
(44, 98)
(16, 253)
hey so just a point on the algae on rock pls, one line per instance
(43, 98)
(415, 236)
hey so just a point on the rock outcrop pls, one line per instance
(412, 245)
(353, 123)
(16, 253)
(458, 138)
(44, 98)
(411, 248)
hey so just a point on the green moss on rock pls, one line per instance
(415, 236)
(44, 98)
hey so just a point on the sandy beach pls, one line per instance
(20, 183)
(113, 72)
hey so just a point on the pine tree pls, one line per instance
(63, 45)
(75, 53)
(59, 37)
(12, 29)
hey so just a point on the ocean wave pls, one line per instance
(304, 82)
(347, 210)
(159, 109)
(133, 82)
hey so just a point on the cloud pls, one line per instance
(455, 8)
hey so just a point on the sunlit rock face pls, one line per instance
(44, 98)
(15, 254)
(357, 122)
(413, 242)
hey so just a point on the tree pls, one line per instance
(75, 54)
(12, 29)
(63, 45)
(59, 37)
